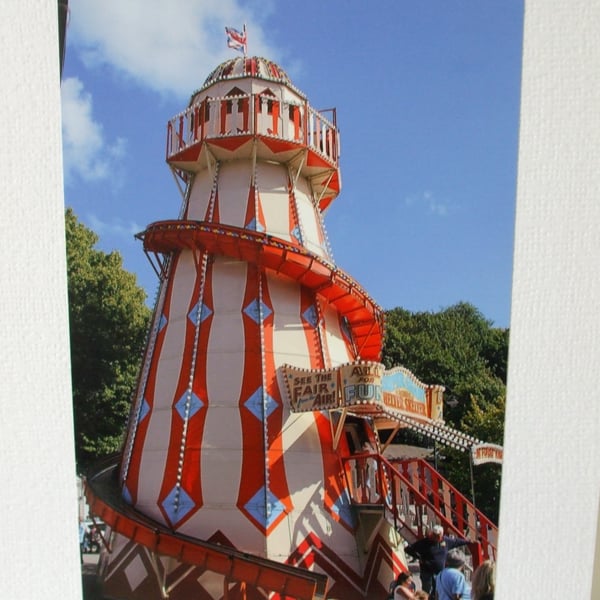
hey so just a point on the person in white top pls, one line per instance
(405, 587)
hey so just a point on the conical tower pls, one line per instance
(215, 452)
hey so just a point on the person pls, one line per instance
(421, 595)
(82, 539)
(431, 552)
(451, 583)
(483, 581)
(405, 587)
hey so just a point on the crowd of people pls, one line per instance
(442, 571)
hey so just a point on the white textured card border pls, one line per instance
(549, 506)
(550, 496)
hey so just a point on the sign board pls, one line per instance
(485, 453)
(361, 383)
(310, 390)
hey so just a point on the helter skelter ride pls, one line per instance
(252, 465)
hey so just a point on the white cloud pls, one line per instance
(429, 202)
(86, 152)
(117, 227)
(170, 46)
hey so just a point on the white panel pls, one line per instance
(234, 186)
(229, 521)
(304, 471)
(272, 183)
(227, 333)
(225, 363)
(289, 339)
(338, 352)
(200, 196)
(300, 436)
(221, 466)
(309, 218)
(290, 96)
(167, 377)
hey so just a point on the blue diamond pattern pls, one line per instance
(195, 405)
(310, 316)
(144, 410)
(126, 495)
(205, 312)
(174, 511)
(252, 310)
(255, 225)
(296, 234)
(343, 510)
(264, 512)
(162, 322)
(255, 404)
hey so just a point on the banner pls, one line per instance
(311, 389)
(404, 392)
(361, 383)
(358, 384)
(485, 453)
(404, 401)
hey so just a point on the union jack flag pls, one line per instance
(236, 39)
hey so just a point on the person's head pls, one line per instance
(484, 579)
(404, 578)
(436, 532)
(421, 595)
(455, 559)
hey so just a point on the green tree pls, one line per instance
(461, 350)
(487, 423)
(108, 321)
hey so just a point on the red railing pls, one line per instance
(447, 500)
(254, 114)
(415, 496)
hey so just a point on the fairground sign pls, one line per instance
(360, 385)
(486, 453)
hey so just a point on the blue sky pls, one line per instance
(427, 99)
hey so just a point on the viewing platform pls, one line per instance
(285, 131)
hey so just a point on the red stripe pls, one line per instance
(253, 457)
(177, 422)
(133, 474)
(277, 477)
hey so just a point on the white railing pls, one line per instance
(255, 114)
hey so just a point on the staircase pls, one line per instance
(414, 496)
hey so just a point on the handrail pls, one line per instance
(447, 499)
(411, 505)
(253, 114)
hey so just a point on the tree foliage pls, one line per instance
(461, 350)
(108, 320)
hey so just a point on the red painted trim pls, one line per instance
(365, 318)
(224, 116)
(275, 130)
(147, 393)
(228, 143)
(234, 565)
(423, 484)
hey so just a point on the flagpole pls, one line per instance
(246, 41)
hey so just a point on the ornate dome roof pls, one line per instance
(254, 66)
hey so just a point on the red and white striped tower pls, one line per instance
(248, 284)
